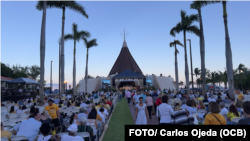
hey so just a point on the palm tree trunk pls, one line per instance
(60, 69)
(229, 62)
(62, 53)
(74, 70)
(42, 53)
(186, 63)
(202, 53)
(176, 71)
(86, 71)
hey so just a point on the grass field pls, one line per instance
(120, 118)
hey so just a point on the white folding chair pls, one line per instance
(4, 139)
(201, 110)
(13, 115)
(206, 103)
(61, 134)
(83, 135)
(10, 123)
(17, 138)
(227, 105)
(235, 120)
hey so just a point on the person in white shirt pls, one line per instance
(102, 115)
(166, 90)
(192, 96)
(20, 90)
(164, 111)
(83, 112)
(136, 98)
(223, 109)
(19, 110)
(71, 136)
(178, 95)
(105, 112)
(84, 105)
(29, 128)
(211, 99)
(37, 89)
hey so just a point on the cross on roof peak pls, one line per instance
(125, 33)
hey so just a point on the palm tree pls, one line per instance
(43, 5)
(62, 5)
(186, 26)
(76, 36)
(229, 61)
(88, 45)
(176, 62)
(220, 76)
(241, 67)
(213, 78)
(197, 72)
(224, 78)
(198, 5)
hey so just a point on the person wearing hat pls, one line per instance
(71, 136)
(53, 111)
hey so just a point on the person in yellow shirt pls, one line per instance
(214, 118)
(5, 133)
(239, 95)
(53, 111)
(233, 113)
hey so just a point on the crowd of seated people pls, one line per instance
(88, 119)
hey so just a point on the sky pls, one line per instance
(148, 24)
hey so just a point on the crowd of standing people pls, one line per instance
(172, 107)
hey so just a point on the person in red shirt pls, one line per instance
(132, 95)
(109, 103)
(158, 100)
(157, 103)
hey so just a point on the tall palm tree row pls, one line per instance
(76, 36)
(88, 45)
(62, 5)
(185, 25)
(173, 44)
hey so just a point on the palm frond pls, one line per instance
(171, 44)
(192, 18)
(199, 4)
(50, 4)
(74, 28)
(68, 37)
(176, 29)
(92, 43)
(84, 33)
(85, 41)
(178, 43)
(89, 44)
(193, 29)
(76, 7)
(183, 14)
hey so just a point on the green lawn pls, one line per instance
(120, 118)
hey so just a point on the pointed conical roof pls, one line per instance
(125, 61)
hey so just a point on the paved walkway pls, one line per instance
(153, 121)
